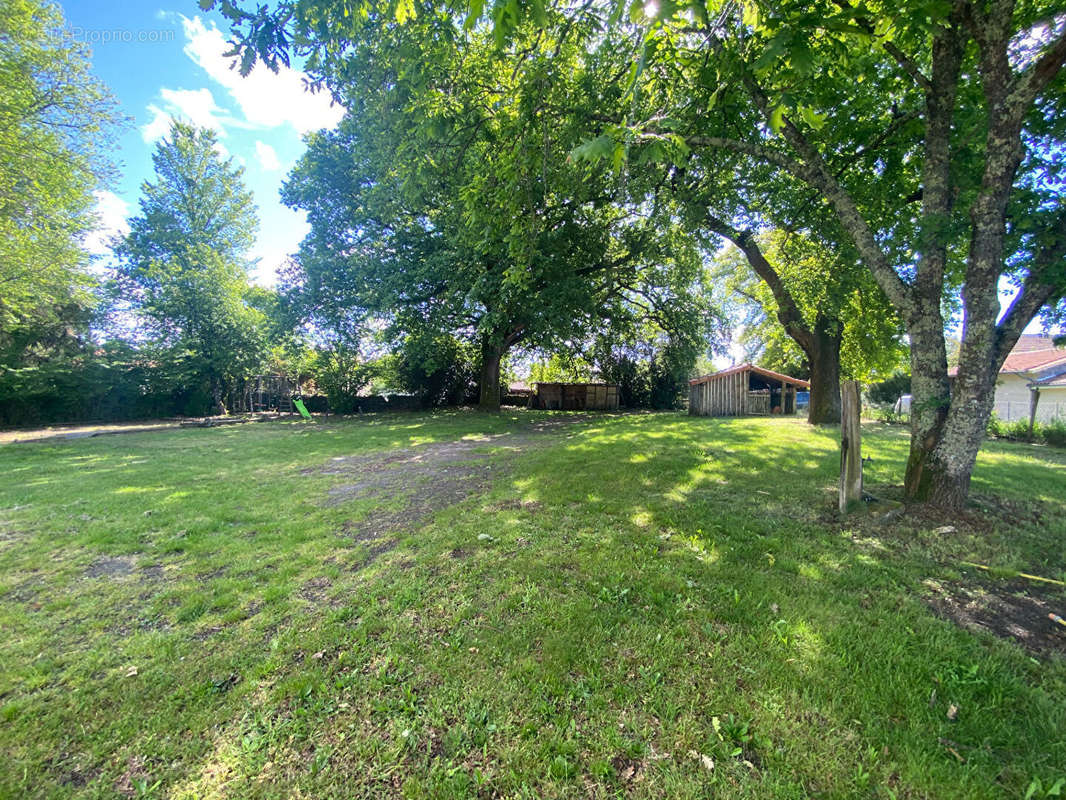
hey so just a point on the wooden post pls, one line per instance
(1034, 399)
(850, 446)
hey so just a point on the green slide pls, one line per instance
(301, 408)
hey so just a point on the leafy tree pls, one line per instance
(933, 134)
(444, 202)
(819, 310)
(56, 129)
(183, 267)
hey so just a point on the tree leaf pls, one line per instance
(777, 119)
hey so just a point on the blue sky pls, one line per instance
(164, 62)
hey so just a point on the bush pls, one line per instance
(1054, 432)
(1051, 433)
(995, 426)
(886, 392)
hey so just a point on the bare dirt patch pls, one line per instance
(1010, 609)
(414, 483)
(111, 567)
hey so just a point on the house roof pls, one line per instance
(1034, 358)
(1032, 353)
(1056, 379)
(766, 373)
(1054, 382)
(1028, 342)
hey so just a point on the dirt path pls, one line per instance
(90, 429)
(430, 477)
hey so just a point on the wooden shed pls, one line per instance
(743, 390)
(575, 396)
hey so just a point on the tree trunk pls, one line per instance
(930, 397)
(217, 398)
(824, 358)
(491, 356)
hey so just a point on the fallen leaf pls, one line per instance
(131, 672)
(319, 654)
(706, 760)
(953, 712)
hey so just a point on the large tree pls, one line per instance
(56, 129)
(444, 201)
(932, 132)
(183, 266)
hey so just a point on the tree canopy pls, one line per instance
(56, 126)
(183, 266)
(446, 201)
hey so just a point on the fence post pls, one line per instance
(850, 446)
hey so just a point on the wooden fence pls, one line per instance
(576, 396)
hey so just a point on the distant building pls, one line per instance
(745, 390)
(1035, 370)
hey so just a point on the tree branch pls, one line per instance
(788, 312)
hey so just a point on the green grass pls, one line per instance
(622, 604)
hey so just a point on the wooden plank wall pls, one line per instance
(576, 397)
(759, 403)
(724, 396)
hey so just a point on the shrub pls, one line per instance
(995, 426)
(1054, 432)
(1051, 433)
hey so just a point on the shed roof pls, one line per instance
(766, 373)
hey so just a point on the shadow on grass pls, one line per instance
(647, 595)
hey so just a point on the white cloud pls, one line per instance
(268, 157)
(197, 106)
(266, 99)
(157, 127)
(111, 212)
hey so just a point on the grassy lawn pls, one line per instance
(460, 605)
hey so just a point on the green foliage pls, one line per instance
(651, 372)
(1052, 432)
(57, 123)
(439, 369)
(562, 367)
(339, 372)
(440, 207)
(831, 291)
(888, 391)
(182, 267)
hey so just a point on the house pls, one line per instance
(744, 390)
(1035, 370)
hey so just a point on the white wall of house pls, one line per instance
(1012, 400)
